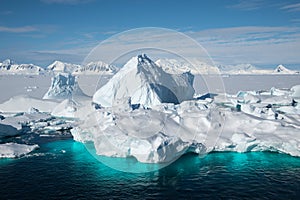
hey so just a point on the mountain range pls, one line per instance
(171, 66)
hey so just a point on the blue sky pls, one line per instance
(262, 32)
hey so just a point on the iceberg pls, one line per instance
(14, 150)
(146, 84)
(163, 131)
(64, 86)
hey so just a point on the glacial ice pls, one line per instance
(25, 103)
(64, 86)
(134, 122)
(146, 84)
(14, 150)
(155, 117)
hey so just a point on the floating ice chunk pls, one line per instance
(278, 100)
(7, 130)
(296, 92)
(70, 108)
(13, 150)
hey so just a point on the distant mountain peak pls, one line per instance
(8, 62)
(280, 68)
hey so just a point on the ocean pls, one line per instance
(64, 169)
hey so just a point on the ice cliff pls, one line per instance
(63, 86)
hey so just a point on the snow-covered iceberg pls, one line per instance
(14, 150)
(64, 86)
(160, 132)
(145, 83)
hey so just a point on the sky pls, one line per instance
(264, 33)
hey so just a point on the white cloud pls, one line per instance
(235, 45)
(23, 29)
(257, 45)
(292, 7)
(248, 5)
(250, 44)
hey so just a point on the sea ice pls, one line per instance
(13, 150)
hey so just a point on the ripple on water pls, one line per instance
(65, 170)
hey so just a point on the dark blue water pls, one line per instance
(65, 170)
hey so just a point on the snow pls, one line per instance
(174, 66)
(283, 70)
(14, 150)
(296, 92)
(148, 112)
(62, 67)
(96, 68)
(92, 68)
(10, 67)
(64, 86)
(70, 108)
(162, 131)
(145, 83)
(166, 131)
(24, 103)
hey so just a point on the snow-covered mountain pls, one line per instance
(174, 66)
(10, 67)
(96, 68)
(283, 70)
(144, 82)
(92, 68)
(58, 66)
(237, 68)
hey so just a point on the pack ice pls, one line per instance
(146, 113)
(24, 118)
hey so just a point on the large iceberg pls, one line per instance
(163, 129)
(145, 83)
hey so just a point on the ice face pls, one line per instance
(248, 121)
(63, 86)
(145, 83)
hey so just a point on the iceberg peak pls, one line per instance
(145, 83)
(63, 86)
